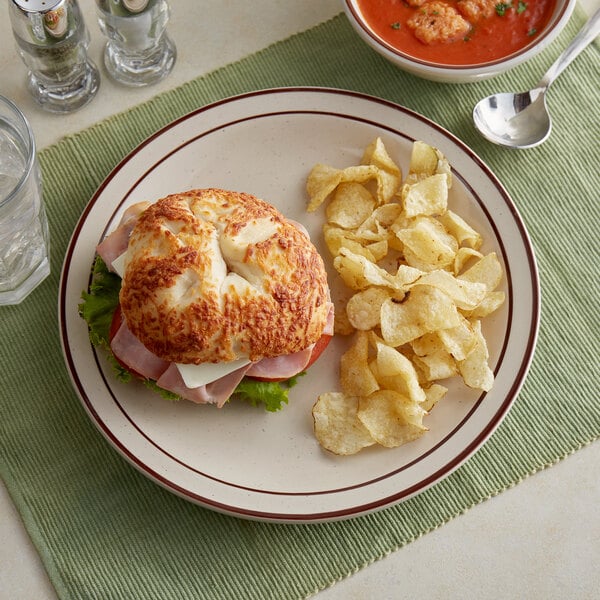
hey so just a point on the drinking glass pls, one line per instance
(52, 40)
(138, 51)
(24, 239)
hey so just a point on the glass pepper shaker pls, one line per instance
(138, 51)
(52, 40)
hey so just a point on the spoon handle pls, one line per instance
(585, 36)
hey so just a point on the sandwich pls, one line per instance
(208, 295)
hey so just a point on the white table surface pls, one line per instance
(539, 539)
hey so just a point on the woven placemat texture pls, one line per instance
(105, 531)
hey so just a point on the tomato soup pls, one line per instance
(512, 25)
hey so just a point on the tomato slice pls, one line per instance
(117, 319)
(319, 348)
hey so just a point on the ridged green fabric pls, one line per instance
(105, 531)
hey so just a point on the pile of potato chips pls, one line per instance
(419, 286)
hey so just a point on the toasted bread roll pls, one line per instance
(213, 275)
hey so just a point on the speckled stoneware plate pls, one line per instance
(245, 461)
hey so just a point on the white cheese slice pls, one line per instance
(119, 264)
(196, 375)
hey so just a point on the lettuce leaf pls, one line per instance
(166, 394)
(99, 304)
(97, 308)
(273, 394)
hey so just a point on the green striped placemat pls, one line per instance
(105, 531)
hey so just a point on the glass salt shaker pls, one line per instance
(52, 40)
(138, 52)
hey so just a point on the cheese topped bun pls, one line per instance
(214, 275)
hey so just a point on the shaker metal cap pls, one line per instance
(36, 6)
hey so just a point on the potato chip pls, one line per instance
(364, 308)
(360, 173)
(486, 270)
(426, 160)
(355, 375)
(372, 234)
(359, 273)
(434, 393)
(351, 204)
(458, 341)
(337, 426)
(424, 309)
(378, 249)
(387, 186)
(437, 365)
(391, 419)
(427, 245)
(443, 166)
(475, 370)
(491, 303)
(377, 226)
(465, 294)
(426, 344)
(423, 159)
(426, 197)
(389, 175)
(341, 323)
(405, 277)
(376, 154)
(463, 256)
(396, 372)
(337, 238)
(321, 182)
(374, 339)
(461, 230)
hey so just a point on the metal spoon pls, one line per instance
(522, 120)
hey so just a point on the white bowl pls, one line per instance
(463, 73)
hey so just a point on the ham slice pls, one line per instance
(284, 367)
(299, 227)
(216, 392)
(330, 324)
(129, 350)
(116, 243)
(281, 367)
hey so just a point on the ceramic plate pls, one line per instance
(245, 461)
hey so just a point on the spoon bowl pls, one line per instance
(517, 120)
(522, 120)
